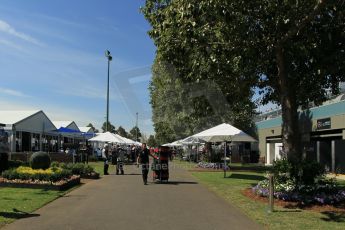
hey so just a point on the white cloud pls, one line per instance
(11, 44)
(12, 92)
(7, 28)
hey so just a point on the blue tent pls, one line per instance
(66, 130)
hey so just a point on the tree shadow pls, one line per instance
(245, 177)
(17, 214)
(287, 211)
(333, 216)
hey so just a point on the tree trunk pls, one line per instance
(290, 129)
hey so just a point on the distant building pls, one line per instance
(322, 129)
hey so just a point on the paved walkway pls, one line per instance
(123, 202)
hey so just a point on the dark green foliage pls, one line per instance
(291, 52)
(16, 163)
(4, 164)
(121, 131)
(78, 169)
(303, 172)
(40, 160)
(111, 127)
(152, 141)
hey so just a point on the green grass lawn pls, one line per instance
(230, 189)
(98, 166)
(17, 203)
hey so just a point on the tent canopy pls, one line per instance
(224, 132)
(192, 140)
(108, 137)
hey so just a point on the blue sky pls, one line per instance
(52, 59)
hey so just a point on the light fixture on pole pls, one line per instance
(109, 57)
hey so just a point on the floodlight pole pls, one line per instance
(109, 57)
(136, 128)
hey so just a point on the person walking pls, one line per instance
(143, 159)
(105, 156)
(120, 160)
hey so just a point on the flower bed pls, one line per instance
(52, 178)
(213, 166)
(324, 192)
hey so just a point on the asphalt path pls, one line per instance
(124, 202)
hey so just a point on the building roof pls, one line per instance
(86, 129)
(13, 117)
(63, 124)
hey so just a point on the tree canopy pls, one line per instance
(111, 128)
(152, 141)
(135, 133)
(291, 51)
(121, 131)
(93, 128)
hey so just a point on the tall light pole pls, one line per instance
(136, 128)
(109, 57)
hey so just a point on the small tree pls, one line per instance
(93, 128)
(111, 128)
(152, 141)
(135, 133)
(122, 132)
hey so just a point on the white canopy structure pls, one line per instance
(192, 141)
(224, 132)
(108, 137)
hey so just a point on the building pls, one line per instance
(322, 129)
(28, 130)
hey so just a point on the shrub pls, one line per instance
(303, 172)
(3, 161)
(55, 164)
(40, 160)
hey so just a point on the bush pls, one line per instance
(40, 160)
(16, 163)
(303, 172)
(55, 164)
(3, 161)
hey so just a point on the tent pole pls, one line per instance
(224, 159)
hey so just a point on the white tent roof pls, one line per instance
(107, 137)
(192, 140)
(125, 140)
(224, 132)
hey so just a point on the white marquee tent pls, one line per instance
(108, 137)
(224, 132)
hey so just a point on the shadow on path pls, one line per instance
(17, 214)
(245, 177)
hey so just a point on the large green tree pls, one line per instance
(293, 51)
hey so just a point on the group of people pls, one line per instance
(116, 155)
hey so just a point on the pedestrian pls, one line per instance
(143, 159)
(120, 160)
(105, 156)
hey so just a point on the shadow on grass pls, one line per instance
(245, 177)
(333, 216)
(17, 214)
(287, 211)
